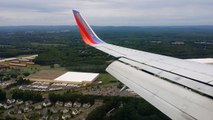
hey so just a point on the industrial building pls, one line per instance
(76, 78)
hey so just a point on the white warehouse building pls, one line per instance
(77, 77)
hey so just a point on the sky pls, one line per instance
(107, 12)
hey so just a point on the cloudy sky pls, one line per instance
(107, 12)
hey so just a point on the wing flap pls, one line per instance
(172, 77)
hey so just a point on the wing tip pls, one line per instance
(88, 35)
(75, 11)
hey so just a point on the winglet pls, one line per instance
(88, 35)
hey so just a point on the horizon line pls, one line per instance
(105, 25)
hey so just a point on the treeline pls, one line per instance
(72, 97)
(27, 95)
(7, 74)
(75, 58)
(125, 108)
(20, 81)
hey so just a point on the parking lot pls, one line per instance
(46, 86)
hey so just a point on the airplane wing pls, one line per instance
(181, 89)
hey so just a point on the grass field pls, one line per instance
(106, 78)
(46, 74)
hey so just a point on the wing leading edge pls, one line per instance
(179, 88)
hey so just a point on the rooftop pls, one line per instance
(77, 77)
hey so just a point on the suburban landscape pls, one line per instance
(48, 73)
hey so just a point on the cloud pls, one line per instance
(107, 12)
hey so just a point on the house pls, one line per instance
(38, 107)
(59, 104)
(27, 109)
(75, 112)
(46, 103)
(77, 105)
(8, 106)
(53, 110)
(19, 102)
(68, 104)
(65, 111)
(66, 116)
(87, 105)
(11, 101)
